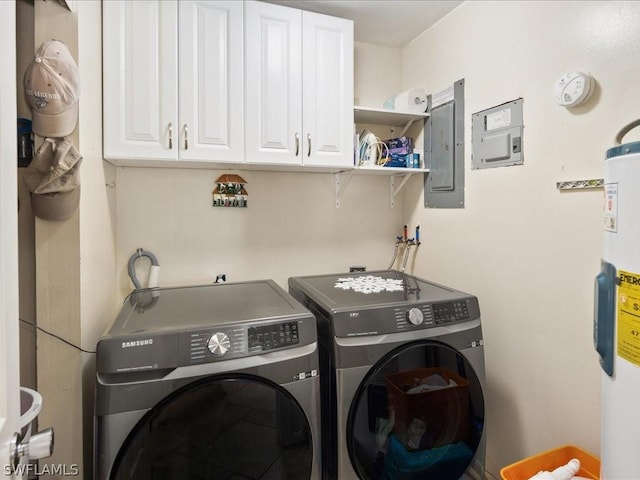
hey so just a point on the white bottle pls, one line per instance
(565, 472)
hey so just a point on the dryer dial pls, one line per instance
(415, 316)
(219, 344)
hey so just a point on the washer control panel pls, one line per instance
(277, 335)
(450, 312)
(426, 315)
(210, 345)
(236, 341)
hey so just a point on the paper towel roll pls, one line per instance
(412, 100)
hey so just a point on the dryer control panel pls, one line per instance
(405, 318)
(237, 341)
(450, 312)
(267, 337)
(431, 314)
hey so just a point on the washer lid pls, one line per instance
(372, 289)
(185, 308)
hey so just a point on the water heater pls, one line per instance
(617, 312)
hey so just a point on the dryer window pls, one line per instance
(418, 414)
(222, 427)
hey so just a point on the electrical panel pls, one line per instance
(497, 136)
(444, 149)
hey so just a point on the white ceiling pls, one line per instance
(392, 23)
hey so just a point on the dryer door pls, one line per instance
(418, 413)
(222, 427)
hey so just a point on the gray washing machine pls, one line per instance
(209, 382)
(402, 373)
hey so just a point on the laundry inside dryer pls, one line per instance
(398, 428)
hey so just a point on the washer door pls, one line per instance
(418, 413)
(221, 427)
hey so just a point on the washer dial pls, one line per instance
(219, 344)
(415, 316)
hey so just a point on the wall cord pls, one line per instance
(57, 336)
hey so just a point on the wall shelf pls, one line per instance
(398, 177)
(390, 118)
(375, 170)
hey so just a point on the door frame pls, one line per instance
(9, 344)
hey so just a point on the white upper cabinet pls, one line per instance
(173, 81)
(327, 90)
(273, 69)
(211, 81)
(140, 80)
(299, 87)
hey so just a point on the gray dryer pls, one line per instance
(217, 381)
(402, 373)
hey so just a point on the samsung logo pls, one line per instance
(138, 343)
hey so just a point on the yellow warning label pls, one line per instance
(629, 316)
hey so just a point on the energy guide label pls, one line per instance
(629, 317)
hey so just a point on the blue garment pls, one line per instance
(442, 463)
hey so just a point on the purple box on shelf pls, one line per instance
(400, 146)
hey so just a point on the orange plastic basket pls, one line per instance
(550, 460)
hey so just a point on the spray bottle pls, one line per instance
(565, 472)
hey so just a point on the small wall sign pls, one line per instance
(230, 191)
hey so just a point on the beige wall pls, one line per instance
(528, 251)
(75, 259)
(291, 226)
(377, 74)
(58, 289)
(98, 266)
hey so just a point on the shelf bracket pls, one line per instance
(340, 182)
(393, 189)
(405, 128)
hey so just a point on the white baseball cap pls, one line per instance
(52, 89)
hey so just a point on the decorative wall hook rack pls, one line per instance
(580, 184)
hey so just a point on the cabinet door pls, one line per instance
(140, 81)
(211, 81)
(273, 100)
(327, 86)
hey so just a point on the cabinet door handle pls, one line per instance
(309, 143)
(170, 136)
(186, 137)
(297, 143)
